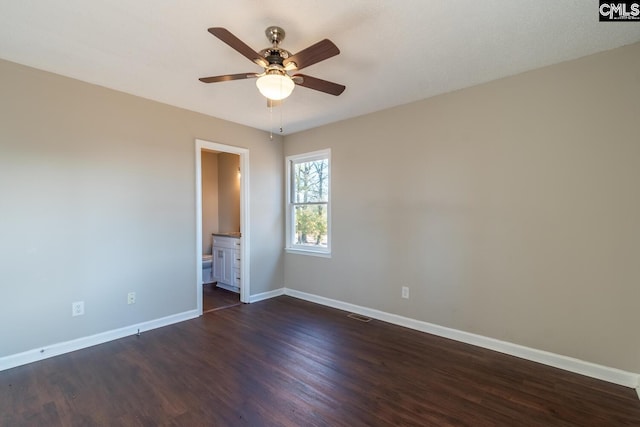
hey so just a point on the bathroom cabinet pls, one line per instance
(226, 261)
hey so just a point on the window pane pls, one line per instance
(311, 181)
(310, 225)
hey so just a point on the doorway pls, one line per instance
(243, 280)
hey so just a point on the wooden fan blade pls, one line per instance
(318, 84)
(237, 44)
(320, 51)
(227, 77)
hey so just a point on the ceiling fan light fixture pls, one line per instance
(275, 86)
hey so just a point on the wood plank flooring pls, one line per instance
(286, 362)
(214, 298)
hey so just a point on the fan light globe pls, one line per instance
(275, 86)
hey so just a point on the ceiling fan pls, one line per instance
(274, 82)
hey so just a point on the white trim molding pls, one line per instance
(266, 295)
(291, 205)
(45, 352)
(605, 373)
(245, 249)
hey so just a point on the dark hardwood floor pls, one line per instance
(286, 362)
(214, 298)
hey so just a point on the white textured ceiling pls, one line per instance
(392, 52)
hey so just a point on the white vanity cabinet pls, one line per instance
(226, 262)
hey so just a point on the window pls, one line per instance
(308, 203)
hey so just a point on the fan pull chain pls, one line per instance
(281, 108)
(271, 121)
(281, 128)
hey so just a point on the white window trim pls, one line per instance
(289, 246)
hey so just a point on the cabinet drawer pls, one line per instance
(236, 259)
(226, 242)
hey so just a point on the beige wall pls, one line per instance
(228, 193)
(209, 161)
(510, 209)
(98, 199)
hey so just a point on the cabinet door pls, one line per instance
(228, 267)
(219, 264)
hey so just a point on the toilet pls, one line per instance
(207, 276)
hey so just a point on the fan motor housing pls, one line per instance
(275, 56)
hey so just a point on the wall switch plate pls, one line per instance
(405, 292)
(131, 298)
(77, 308)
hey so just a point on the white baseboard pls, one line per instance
(266, 295)
(612, 375)
(57, 349)
(605, 373)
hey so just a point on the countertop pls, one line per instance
(236, 234)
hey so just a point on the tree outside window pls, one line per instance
(308, 202)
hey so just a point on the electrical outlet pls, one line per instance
(77, 308)
(405, 292)
(131, 298)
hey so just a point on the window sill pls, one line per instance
(308, 252)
